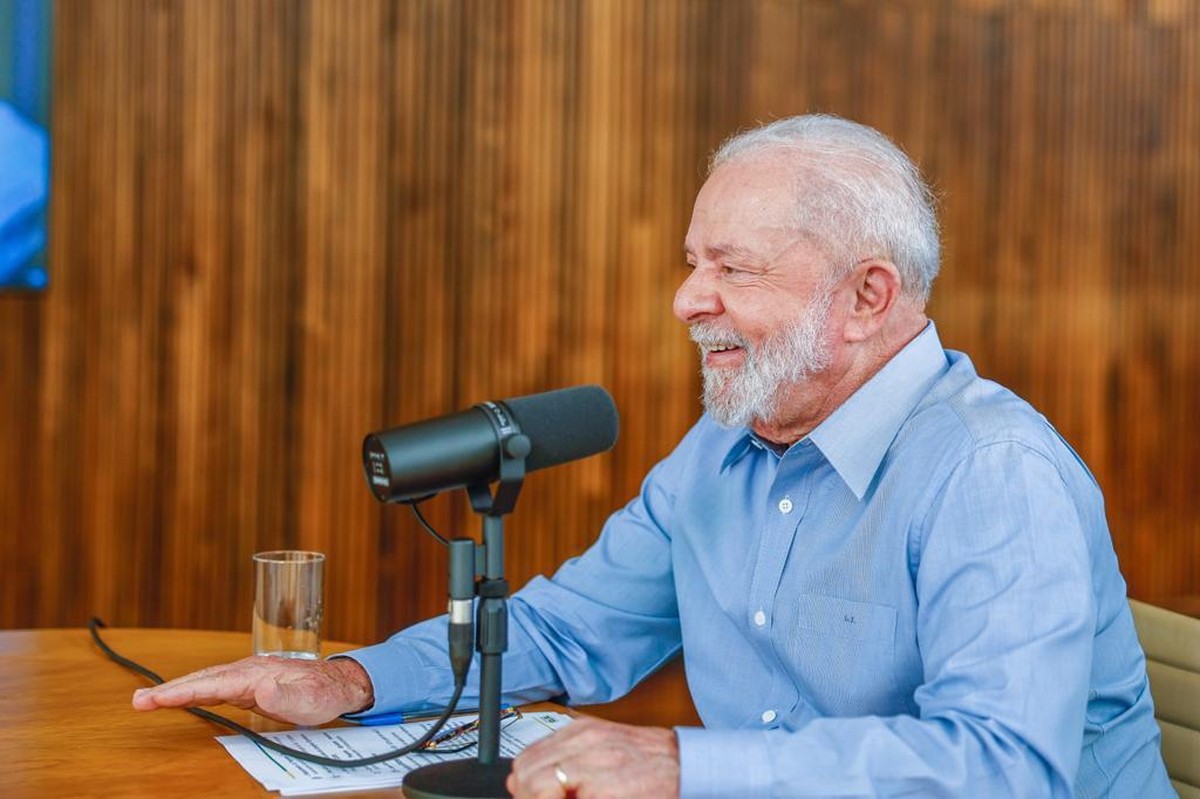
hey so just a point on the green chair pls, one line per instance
(1171, 642)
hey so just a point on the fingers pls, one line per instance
(594, 759)
(297, 691)
(539, 758)
(231, 683)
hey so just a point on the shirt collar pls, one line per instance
(856, 436)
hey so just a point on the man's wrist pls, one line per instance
(360, 691)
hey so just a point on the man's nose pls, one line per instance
(697, 297)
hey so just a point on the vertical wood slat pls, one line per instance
(278, 224)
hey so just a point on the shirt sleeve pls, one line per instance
(1005, 623)
(605, 621)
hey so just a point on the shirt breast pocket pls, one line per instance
(843, 652)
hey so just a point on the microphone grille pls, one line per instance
(566, 424)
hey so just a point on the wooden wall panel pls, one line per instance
(280, 224)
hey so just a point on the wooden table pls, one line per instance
(69, 729)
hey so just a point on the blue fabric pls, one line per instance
(918, 599)
(24, 155)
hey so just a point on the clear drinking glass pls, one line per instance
(289, 603)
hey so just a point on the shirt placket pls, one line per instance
(786, 504)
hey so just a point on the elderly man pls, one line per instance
(888, 576)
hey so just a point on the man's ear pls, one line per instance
(876, 286)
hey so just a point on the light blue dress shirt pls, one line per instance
(920, 598)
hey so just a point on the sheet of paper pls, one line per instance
(292, 777)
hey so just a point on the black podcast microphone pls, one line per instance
(465, 448)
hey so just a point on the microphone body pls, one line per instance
(465, 448)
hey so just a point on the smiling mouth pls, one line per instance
(722, 356)
(717, 346)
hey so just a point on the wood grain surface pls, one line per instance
(70, 730)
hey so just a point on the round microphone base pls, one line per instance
(459, 779)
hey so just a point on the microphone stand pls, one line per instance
(483, 778)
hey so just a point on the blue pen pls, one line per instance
(381, 719)
(392, 718)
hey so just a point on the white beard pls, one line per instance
(752, 393)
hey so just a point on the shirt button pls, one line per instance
(785, 505)
(760, 618)
(768, 716)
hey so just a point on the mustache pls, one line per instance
(708, 334)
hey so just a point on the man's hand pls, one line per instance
(306, 692)
(599, 760)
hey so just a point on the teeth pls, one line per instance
(713, 339)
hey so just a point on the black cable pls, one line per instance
(428, 527)
(94, 624)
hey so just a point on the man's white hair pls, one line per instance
(857, 194)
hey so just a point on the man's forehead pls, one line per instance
(740, 203)
(751, 242)
(756, 187)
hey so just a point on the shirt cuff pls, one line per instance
(397, 676)
(706, 759)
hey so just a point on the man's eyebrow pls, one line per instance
(733, 251)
